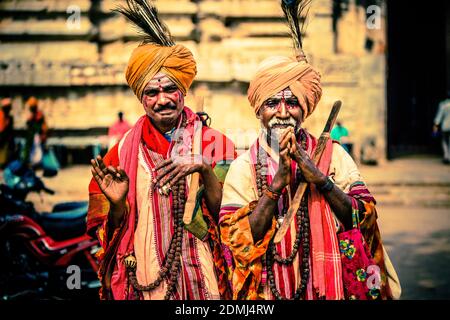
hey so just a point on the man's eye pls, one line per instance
(171, 89)
(272, 104)
(150, 93)
(292, 102)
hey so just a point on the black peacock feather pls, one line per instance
(294, 10)
(144, 15)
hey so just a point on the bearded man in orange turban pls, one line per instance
(261, 183)
(139, 190)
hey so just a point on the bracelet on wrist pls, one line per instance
(272, 194)
(328, 186)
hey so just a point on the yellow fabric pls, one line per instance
(278, 73)
(236, 234)
(177, 62)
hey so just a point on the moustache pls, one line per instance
(168, 106)
(282, 122)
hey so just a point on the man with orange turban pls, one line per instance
(261, 183)
(138, 196)
(36, 134)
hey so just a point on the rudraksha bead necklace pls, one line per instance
(302, 236)
(172, 261)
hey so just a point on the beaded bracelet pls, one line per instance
(272, 194)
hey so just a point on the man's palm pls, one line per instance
(114, 188)
(113, 182)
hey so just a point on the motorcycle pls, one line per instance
(44, 255)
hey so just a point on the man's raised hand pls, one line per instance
(309, 170)
(113, 182)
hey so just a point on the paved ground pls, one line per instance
(414, 215)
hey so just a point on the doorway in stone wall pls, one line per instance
(417, 74)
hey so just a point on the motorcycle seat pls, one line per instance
(65, 224)
(69, 210)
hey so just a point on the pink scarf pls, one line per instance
(124, 241)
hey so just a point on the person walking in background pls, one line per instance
(117, 130)
(340, 134)
(442, 123)
(6, 132)
(36, 134)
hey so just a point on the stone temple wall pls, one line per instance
(72, 54)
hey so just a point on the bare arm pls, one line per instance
(261, 218)
(213, 190)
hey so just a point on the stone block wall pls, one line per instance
(72, 55)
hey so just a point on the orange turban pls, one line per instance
(278, 73)
(32, 102)
(6, 102)
(177, 62)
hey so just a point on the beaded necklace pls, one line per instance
(302, 236)
(172, 262)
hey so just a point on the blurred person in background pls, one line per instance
(7, 146)
(442, 124)
(117, 130)
(36, 134)
(340, 134)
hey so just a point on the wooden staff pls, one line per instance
(279, 235)
(195, 177)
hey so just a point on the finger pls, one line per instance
(98, 171)
(168, 177)
(96, 176)
(165, 172)
(113, 171)
(178, 177)
(101, 164)
(163, 164)
(284, 154)
(283, 136)
(123, 174)
(293, 146)
(285, 140)
(94, 164)
(293, 140)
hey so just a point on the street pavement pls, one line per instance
(413, 203)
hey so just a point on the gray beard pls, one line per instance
(272, 136)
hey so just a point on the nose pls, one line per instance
(282, 110)
(161, 99)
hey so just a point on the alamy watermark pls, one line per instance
(373, 21)
(74, 279)
(73, 21)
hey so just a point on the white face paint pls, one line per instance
(277, 124)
